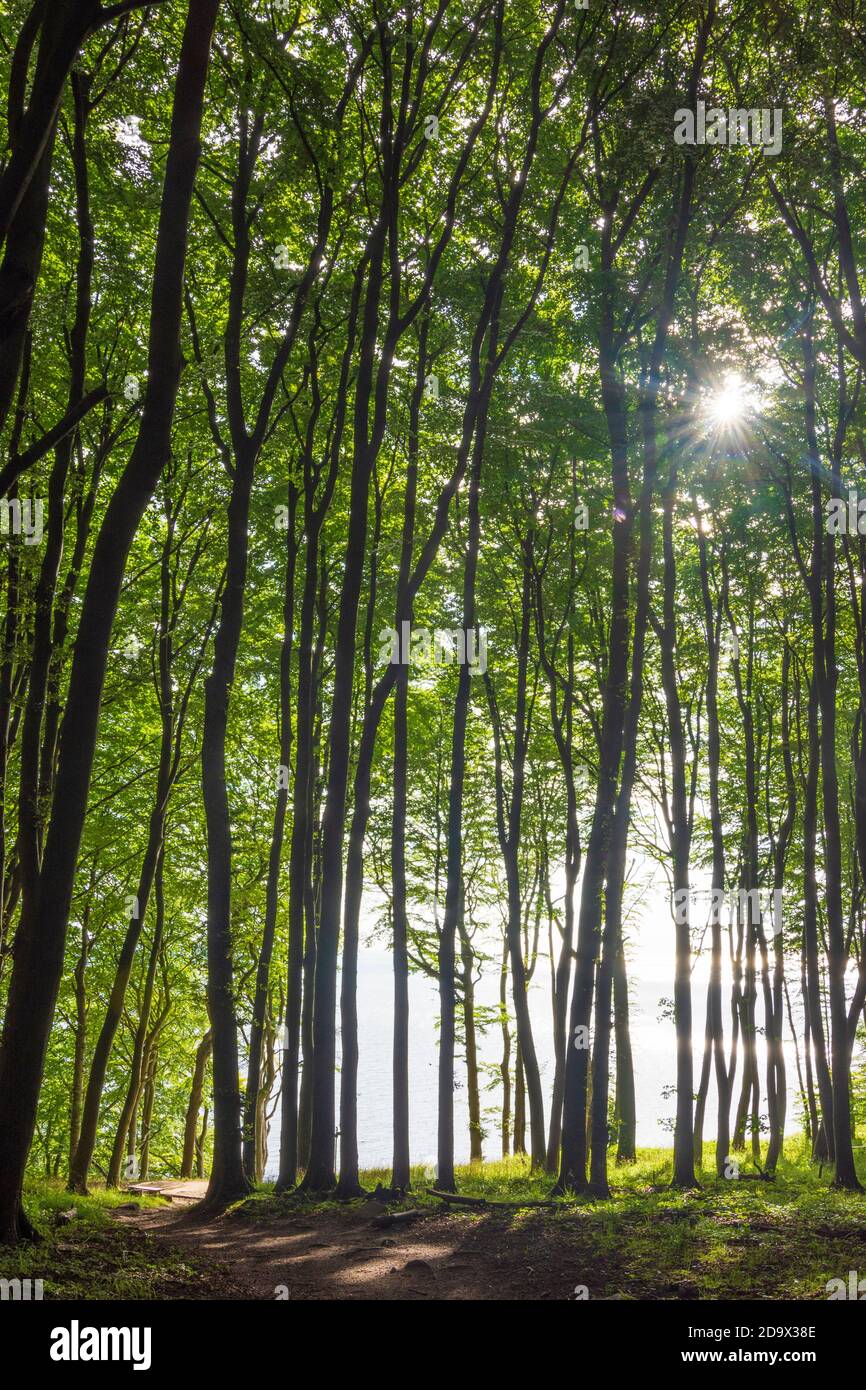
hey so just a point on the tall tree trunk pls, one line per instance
(320, 1175)
(148, 1097)
(19, 272)
(42, 930)
(275, 856)
(80, 1052)
(509, 816)
(562, 724)
(62, 27)
(190, 1129)
(626, 1106)
(400, 1049)
(715, 1019)
(139, 1048)
(228, 1180)
(467, 958)
(505, 1063)
(681, 831)
(300, 867)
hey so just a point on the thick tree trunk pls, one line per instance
(572, 1171)
(42, 931)
(19, 272)
(63, 27)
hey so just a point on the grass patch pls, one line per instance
(726, 1239)
(94, 1256)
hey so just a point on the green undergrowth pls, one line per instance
(92, 1256)
(726, 1239)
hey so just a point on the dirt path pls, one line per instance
(342, 1255)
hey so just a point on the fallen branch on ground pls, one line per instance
(459, 1200)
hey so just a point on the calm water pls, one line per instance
(651, 979)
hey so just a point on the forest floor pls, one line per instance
(726, 1240)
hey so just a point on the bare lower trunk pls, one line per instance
(202, 1057)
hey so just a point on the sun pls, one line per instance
(729, 404)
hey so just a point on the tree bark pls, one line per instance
(42, 931)
(190, 1131)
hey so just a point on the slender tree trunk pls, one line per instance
(148, 1098)
(99, 1062)
(827, 681)
(715, 1020)
(275, 856)
(467, 958)
(228, 1180)
(509, 815)
(139, 1057)
(80, 1052)
(300, 867)
(681, 831)
(505, 1063)
(519, 1138)
(202, 1057)
(199, 1145)
(626, 1106)
(400, 1052)
(454, 871)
